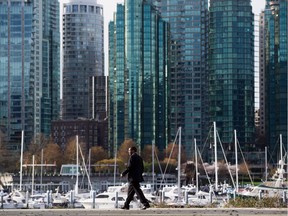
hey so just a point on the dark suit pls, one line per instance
(135, 170)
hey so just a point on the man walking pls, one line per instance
(134, 169)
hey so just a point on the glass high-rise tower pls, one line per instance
(276, 70)
(83, 55)
(231, 69)
(138, 75)
(29, 68)
(188, 22)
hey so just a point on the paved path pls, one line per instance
(148, 212)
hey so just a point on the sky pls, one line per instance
(109, 7)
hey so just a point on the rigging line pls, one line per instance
(274, 150)
(85, 168)
(270, 158)
(208, 178)
(206, 141)
(284, 150)
(285, 155)
(203, 166)
(226, 160)
(161, 171)
(171, 154)
(245, 162)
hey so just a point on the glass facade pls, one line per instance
(231, 69)
(29, 68)
(117, 77)
(262, 127)
(276, 71)
(188, 25)
(83, 55)
(138, 75)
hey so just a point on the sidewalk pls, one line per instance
(147, 212)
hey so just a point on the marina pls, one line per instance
(67, 192)
(78, 189)
(114, 196)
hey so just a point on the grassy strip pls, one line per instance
(251, 202)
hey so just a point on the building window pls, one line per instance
(91, 9)
(75, 8)
(83, 8)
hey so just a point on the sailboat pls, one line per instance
(277, 186)
(11, 200)
(178, 195)
(200, 198)
(83, 194)
(220, 189)
(114, 197)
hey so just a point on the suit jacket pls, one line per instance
(134, 168)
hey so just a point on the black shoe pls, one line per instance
(125, 208)
(145, 206)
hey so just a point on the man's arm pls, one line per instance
(128, 168)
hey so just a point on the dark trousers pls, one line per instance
(134, 187)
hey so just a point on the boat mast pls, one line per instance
(33, 170)
(236, 159)
(179, 165)
(89, 162)
(281, 162)
(196, 166)
(215, 149)
(281, 148)
(41, 174)
(153, 169)
(115, 164)
(77, 166)
(93, 97)
(266, 164)
(21, 159)
(85, 168)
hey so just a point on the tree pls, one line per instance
(3, 154)
(107, 165)
(70, 151)
(146, 153)
(243, 169)
(123, 154)
(69, 156)
(35, 147)
(172, 149)
(8, 159)
(171, 165)
(190, 171)
(52, 154)
(98, 153)
(38, 143)
(223, 171)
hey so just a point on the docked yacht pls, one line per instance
(8, 202)
(114, 197)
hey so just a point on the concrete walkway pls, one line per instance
(147, 212)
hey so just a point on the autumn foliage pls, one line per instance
(166, 161)
(98, 153)
(172, 151)
(122, 153)
(7, 160)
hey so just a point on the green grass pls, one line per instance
(271, 202)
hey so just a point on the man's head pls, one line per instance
(132, 150)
